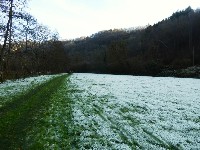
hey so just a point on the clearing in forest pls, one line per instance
(90, 111)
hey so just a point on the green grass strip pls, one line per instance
(18, 116)
(55, 130)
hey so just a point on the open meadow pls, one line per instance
(97, 111)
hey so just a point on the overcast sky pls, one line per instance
(76, 18)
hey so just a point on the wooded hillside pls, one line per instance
(173, 43)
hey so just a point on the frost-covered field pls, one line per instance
(10, 88)
(129, 112)
(90, 111)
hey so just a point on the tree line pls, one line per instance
(29, 48)
(26, 46)
(172, 43)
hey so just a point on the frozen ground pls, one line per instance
(90, 111)
(129, 112)
(10, 88)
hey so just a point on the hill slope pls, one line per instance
(173, 43)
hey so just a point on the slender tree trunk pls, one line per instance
(26, 35)
(26, 43)
(8, 28)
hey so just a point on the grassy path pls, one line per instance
(20, 115)
(55, 129)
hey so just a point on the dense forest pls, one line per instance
(173, 43)
(29, 48)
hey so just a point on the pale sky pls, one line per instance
(77, 18)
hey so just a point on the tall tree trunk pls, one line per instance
(26, 35)
(8, 29)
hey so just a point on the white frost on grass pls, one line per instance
(133, 112)
(10, 88)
